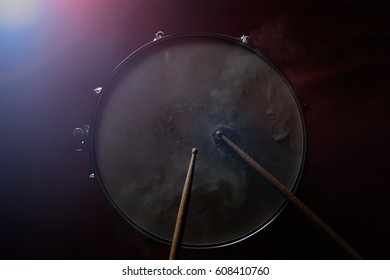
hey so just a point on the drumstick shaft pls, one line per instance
(284, 191)
(182, 213)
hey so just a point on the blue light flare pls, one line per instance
(19, 14)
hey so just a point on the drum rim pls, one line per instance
(138, 52)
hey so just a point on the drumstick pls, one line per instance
(284, 191)
(182, 213)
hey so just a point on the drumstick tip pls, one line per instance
(218, 133)
(194, 151)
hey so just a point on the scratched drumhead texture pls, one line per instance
(172, 95)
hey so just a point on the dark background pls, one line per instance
(335, 55)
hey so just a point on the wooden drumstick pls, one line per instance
(182, 213)
(284, 191)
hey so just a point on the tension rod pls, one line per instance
(284, 191)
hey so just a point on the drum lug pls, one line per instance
(158, 35)
(82, 133)
(92, 176)
(247, 40)
(97, 91)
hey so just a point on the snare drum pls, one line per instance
(170, 96)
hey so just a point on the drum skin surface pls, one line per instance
(172, 95)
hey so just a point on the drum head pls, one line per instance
(171, 96)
